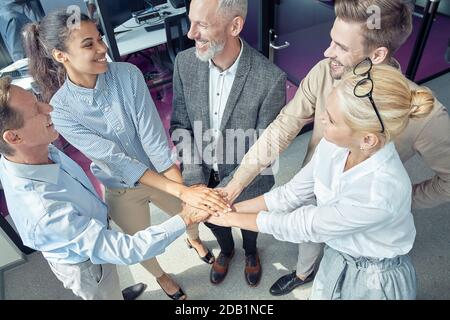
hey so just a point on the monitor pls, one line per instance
(120, 11)
(156, 2)
(111, 15)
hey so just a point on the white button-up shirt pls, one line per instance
(365, 211)
(220, 83)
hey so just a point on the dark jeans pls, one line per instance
(224, 236)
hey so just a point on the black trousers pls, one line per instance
(224, 236)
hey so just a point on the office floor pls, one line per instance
(431, 255)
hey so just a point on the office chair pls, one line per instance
(187, 4)
(177, 27)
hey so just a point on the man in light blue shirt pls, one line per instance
(56, 209)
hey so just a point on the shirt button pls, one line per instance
(215, 113)
(218, 94)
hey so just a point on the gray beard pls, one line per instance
(213, 51)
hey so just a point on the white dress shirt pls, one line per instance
(220, 83)
(365, 211)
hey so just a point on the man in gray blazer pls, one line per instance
(224, 92)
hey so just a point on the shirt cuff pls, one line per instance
(262, 222)
(162, 163)
(174, 227)
(270, 198)
(164, 166)
(133, 172)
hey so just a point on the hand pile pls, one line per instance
(201, 202)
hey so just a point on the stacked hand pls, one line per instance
(205, 199)
(231, 191)
(219, 220)
(192, 215)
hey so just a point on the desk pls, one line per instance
(133, 37)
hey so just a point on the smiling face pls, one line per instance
(85, 56)
(346, 48)
(336, 130)
(38, 129)
(208, 29)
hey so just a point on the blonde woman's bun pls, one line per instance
(422, 102)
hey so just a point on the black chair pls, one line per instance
(187, 4)
(177, 27)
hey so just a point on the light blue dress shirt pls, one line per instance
(115, 124)
(56, 210)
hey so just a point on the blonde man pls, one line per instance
(352, 40)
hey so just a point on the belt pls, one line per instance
(215, 175)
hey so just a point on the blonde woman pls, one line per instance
(363, 193)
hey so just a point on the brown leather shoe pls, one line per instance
(219, 268)
(253, 270)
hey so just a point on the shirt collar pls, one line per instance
(371, 164)
(40, 172)
(86, 94)
(233, 69)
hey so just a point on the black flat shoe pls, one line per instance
(209, 258)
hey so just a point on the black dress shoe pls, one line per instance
(209, 258)
(219, 268)
(289, 282)
(131, 293)
(252, 270)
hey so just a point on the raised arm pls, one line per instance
(280, 133)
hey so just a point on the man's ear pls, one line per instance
(379, 55)
(236, 26)
(59, 56)
(10, 137)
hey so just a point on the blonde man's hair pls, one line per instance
(394, 100)
(9, 119)
(395, 21)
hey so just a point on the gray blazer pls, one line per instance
(257, 96)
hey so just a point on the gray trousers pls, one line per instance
(308, 255)
(342, 276)
(89, 281)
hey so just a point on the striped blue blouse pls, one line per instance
(115, 124)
